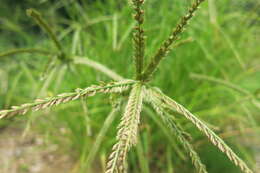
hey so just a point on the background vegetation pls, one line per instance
(206, 75)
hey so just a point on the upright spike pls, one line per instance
(42, 23)
(166, 46)
(138, 37)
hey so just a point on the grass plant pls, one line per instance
(138, 92)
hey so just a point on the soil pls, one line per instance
(30, 154)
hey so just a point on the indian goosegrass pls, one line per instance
(138, 91)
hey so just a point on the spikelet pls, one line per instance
(214, 139)
(165, 47)
(178, 132)
(127, 132)
(138, 37)
(39, 104)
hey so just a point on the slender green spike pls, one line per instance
(44, 25)
(138, 37)
(25, 50)
(166, 46)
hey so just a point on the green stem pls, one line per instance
(44, 25)
(24, 50)
(100, 137)
(183, 42)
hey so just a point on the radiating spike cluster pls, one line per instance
(128, 127)
(178, 132)
(115, 87)
(165, 47)
(218, 142)
(138, 37)
(127, 131)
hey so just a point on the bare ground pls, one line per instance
(30, 154)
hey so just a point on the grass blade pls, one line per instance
(25, 50)
(98, 66)
(107, 124)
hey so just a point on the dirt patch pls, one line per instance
(30, 154)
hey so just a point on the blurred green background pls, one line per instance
(208, 75)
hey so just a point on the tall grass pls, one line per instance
(101, 31)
